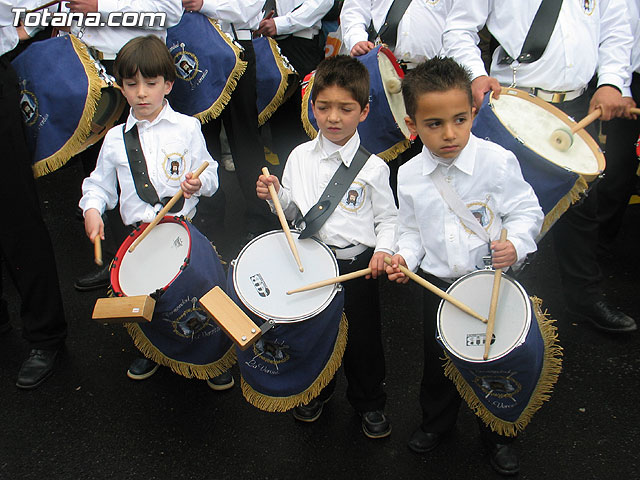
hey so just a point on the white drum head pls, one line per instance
(156, 261)
(266, 269)
(464, 336)
(392, 83)
(534, 125)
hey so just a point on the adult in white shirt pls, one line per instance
(589, 38)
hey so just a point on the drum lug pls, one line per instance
(520, 140)
(266, 326)
(233, 262)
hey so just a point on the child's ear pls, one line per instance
(364, 113)
(167, 87)
(473, 112)
(411, 126)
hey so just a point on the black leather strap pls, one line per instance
(333, 193)
(139, 172)
(539, 33)
(388, 32)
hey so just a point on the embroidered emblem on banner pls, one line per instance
(500, 385)
(29, 107)
(186, 64)
(271, 352)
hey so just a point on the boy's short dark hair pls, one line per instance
(147, 55)
(438, 74)
(345, 72)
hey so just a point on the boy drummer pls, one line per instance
(360, 229)
(488, 180)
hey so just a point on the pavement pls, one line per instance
(89, 421)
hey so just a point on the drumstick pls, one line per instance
(283, 220)
(166, 209)
(562, 139)
(439, 292)
(97, 250)
(497, 276)
(635, 111)
(331, 281)
(46, 5)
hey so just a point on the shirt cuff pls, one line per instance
(92, 203)
(410, 259)
(611, 80)
(283, 26)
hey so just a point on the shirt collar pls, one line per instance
(167, 113)
(345, 153)
(463, 162)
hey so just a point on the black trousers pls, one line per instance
(620, 178)
(439, 398)
(25, 245)
(364, 363)
(240, 118)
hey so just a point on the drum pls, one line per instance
(293, 361)
(176, 265)
(384, 131)
(276, 79)
(208, 66)
(68, 100)
(524, 359)
(524, 123)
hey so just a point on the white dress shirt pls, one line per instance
(419, 31)
(245, 15)
(8, 33)
(582, 43)
(366, 214)
(634, 19)
(489, 182)
(171, 136)
(302, 18)
(109, 40)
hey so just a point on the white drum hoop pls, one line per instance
(463, 336)
(265, 270)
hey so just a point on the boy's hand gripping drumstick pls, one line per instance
(562, 138)
(441, 293)
(497, 276)
(166, 209)
(331, 281)
(97, 250)
(283, 220)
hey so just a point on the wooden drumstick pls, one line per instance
(97, 250)
(439, 292)
(497, 276)
(635, 111)
(331, 281)
(283, 220)
(166, 209)
(562, 138)
(46, 5)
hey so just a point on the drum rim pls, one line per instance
(516, 343)
(114, 269)
(281, 320)
(560, 115)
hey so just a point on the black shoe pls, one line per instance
(309, 412)
(224, 381)
(423, 442)
(503, 458)
(375, 424)
(97, 279)
(36, 368)
(606, 318)
(142, 368)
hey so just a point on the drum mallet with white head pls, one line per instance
(562, 138)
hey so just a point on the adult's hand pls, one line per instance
(480, 86)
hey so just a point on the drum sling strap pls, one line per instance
(330, 198)
(388, 32)
(140, 174)
(539, 34)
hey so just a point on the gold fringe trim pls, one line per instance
(304, 111)
(391, 153)
(83, 130)
(188, 370)
(282, 404)
(284, 91)
(565, 202)
(238, 70)
(551, 368)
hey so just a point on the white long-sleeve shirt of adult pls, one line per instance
(300, 16)
(367, 213)
(634, 20)
(419, 31)
(110, 39)
(171, 137)
(489, 182)
(583, 42)
(8, 33)
(243, 14)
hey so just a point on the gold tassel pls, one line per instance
(284, 91)
(565, 202)
(238, 70)
(188, 370)
(83, 130)
(282, 404)
(551, 368)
